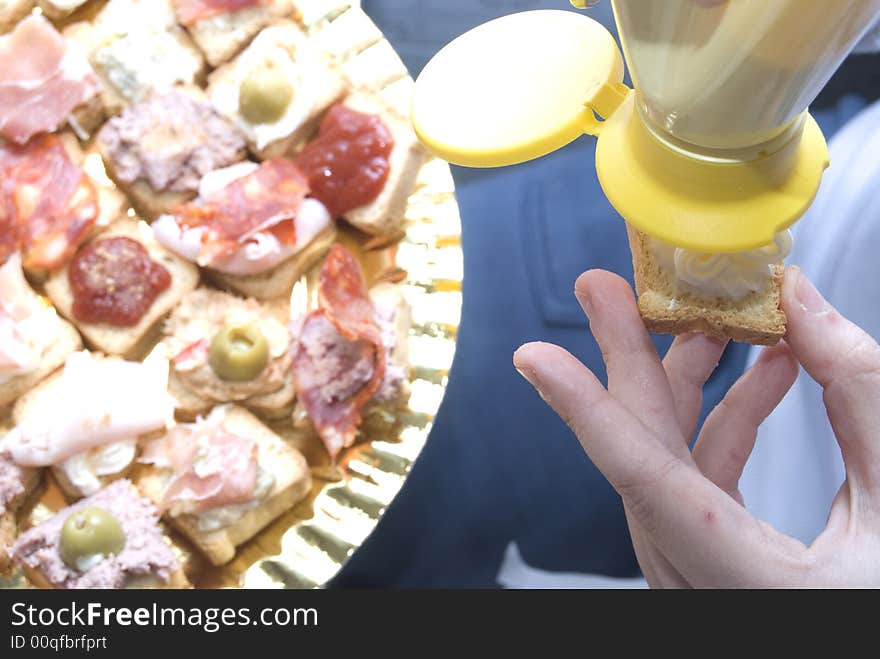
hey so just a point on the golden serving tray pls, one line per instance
(307, 546)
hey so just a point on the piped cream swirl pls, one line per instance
(731, 276)
(84, 470)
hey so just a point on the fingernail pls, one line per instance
(811, 300)
(530, 376)
(585, 301)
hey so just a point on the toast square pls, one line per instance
(317, 82)
(166, 54)
(150, 562)
(66, 340)
(398, 95)
(313, 13)
(756, 318)
(222, 36)
(147, 201)
(377, 66)
(384, 215)
(292, 482)
(348, 34)
(199, 316)
(129, 342)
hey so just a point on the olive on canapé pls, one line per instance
(264, 95)
(90, 535)
(239, 353)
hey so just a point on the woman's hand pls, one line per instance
(685, 513)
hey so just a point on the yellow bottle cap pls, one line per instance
(702, 205)
(524, 85)
(517, 88)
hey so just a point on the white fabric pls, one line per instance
(516, 573)
(796, 468)
(870, 43)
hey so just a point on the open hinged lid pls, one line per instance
(517, 88)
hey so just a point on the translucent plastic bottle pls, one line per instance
(728, 75)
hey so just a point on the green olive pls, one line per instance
(239, 352)
(90, 534)
(264, 95)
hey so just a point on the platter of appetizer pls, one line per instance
(230, 286)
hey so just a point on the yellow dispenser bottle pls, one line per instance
(713, 150)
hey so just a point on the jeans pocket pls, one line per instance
(569, 227)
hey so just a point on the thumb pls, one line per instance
(845, 361)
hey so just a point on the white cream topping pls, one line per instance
(66, 5)
(184, 242)
(261, 251)
(218, 518)
(85, 470)
(95, 402)
(216, 181)
(28, 324)
(722, 275)
(161, 62)
(286, 49)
